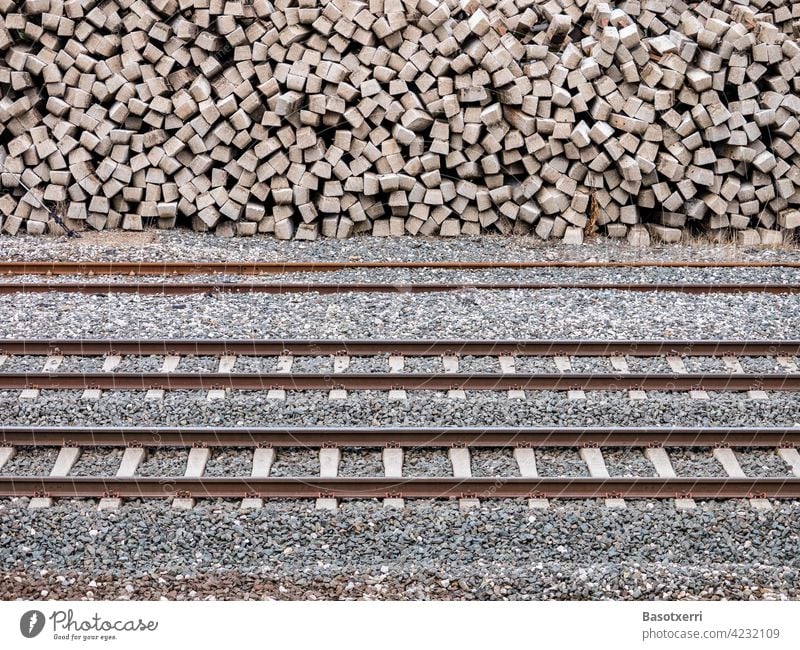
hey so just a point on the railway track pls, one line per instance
(169, 288)
(266, 442)
(260, 268)
(110, 277)
(450, 378)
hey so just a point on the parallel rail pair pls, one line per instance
(681, 381)
(402, 437)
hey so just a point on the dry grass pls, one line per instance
(590, 230)
(61, 208)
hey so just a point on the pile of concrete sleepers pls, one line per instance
(636, 118)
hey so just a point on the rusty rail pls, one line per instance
(411, 381)
(185, 288)
(318, 437)
(366, 347)
(256, 268)
(309, 487)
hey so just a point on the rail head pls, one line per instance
(369, 488)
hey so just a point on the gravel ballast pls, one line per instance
(361, 462)
(696, 462)
(296, 462)
(97, 461)
(171, 246)
(373, 408)
(163, 462)
(627, 462)
(514, 314)
(560, 462)
(229, 461)
(493, 463)
(574, 550)
(30, 461)
(759, 463)
(426, 462)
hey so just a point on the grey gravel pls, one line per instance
(229, 461)
(762, 462)
(373, 408)
(592, 365)
(535, 364)
(295, 462)
(761, 364)
(423, 364)
(254, 364)
(135, 363)
(695, 462)
(627, 462)
(376, 363)
(35, 363)
(493, 462)
(574, 550)
(471, 364)
(312, 364)
(30, 461)
(361, 462)
(461, 314)
(156, 245)
(648, 364)
(198, 364)
(426, 462)
(560, 462)
(705, 364)
(97, 461)
(164, 462)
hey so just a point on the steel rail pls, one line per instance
(186, 288)
(93, 436)
(411, 381)
(367, 347)
(46, 267)
(303, 487)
